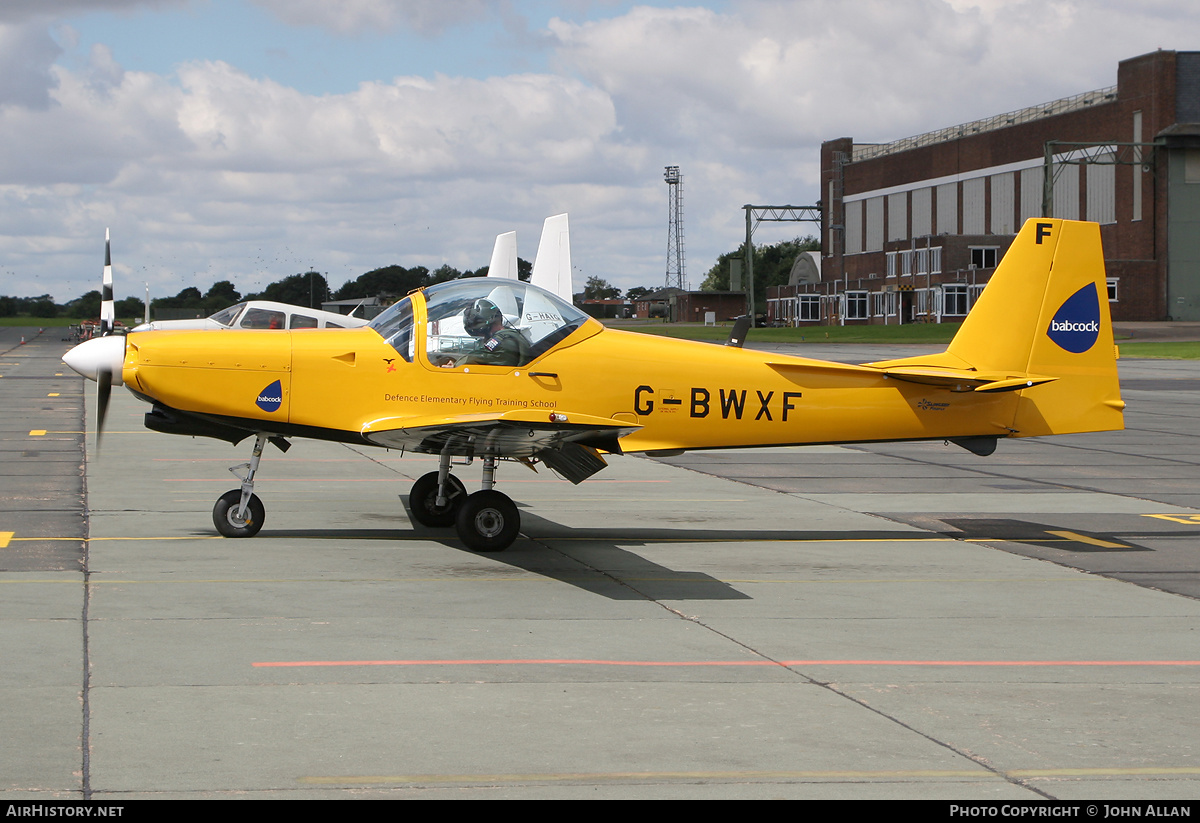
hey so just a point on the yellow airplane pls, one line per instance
(498, 370)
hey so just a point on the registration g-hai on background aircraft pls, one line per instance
(1034, 357)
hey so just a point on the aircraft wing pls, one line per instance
(563, 440)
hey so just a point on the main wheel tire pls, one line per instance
(422, 500)
(488, 521)
(225, 515)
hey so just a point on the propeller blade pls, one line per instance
(103, 394)
(108, 314)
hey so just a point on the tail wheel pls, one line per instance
(422, 500)
(225, 515)
(488, 521)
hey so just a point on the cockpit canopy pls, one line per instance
(539, 316)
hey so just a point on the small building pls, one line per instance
(605, 309)
(657, 304)
(694, 306)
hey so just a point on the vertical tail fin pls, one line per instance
(1045, 314)
(504, 256)
(552, 266)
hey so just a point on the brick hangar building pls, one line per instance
(913, 229)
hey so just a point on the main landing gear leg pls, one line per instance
(488, 520)
(435, 497)
(239, 512)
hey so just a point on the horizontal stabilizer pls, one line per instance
(965, 380)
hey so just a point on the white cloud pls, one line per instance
(26, 55)
(211, 173)
(23, 11)
(363, 16)
(235, 159)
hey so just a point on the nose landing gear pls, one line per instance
(239, 512)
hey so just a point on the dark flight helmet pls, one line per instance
(479, 316)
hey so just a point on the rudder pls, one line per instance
(1045, 314)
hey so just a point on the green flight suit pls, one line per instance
(506, 347)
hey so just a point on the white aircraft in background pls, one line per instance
(551, 271)
(260, 314)
(551, 267)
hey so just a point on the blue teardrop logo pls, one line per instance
(1077, 324)
(270, 398)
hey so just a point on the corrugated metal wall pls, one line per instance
(874, 235)
(897, 219)
(973, 206)
(1003, 207)
(922, 212)
(854, 226)
(1102, 190)
(1031, 193)
(947, 208)
(1066, 192)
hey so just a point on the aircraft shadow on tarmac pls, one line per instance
(1036, 534)
(583, 557)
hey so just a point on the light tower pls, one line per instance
(675, 268)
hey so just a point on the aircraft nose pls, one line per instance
(90, 357)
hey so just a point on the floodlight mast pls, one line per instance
(675, 266)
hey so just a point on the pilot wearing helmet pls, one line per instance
(497, 345)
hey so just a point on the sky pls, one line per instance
(248, 140)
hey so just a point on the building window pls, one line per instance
(984, 257)
(889, 303)
(922, 306)
(1112, 289)
(935, 259)
(922, 261)
(856, 305)
(810, 306)
(891, 264)
(954, 299)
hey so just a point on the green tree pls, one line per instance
(392, 281)
(307, 289)
(131, 307)
(85, 307)
(43, 307)
(637, 293)
(444, 273)
(598, 288)
(772, 265)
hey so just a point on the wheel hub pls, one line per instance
(489, 522)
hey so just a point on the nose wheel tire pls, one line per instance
(422, 500)
(488, 521)
(225, 515)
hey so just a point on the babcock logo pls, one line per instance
(270, 398)
(1077, 324)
